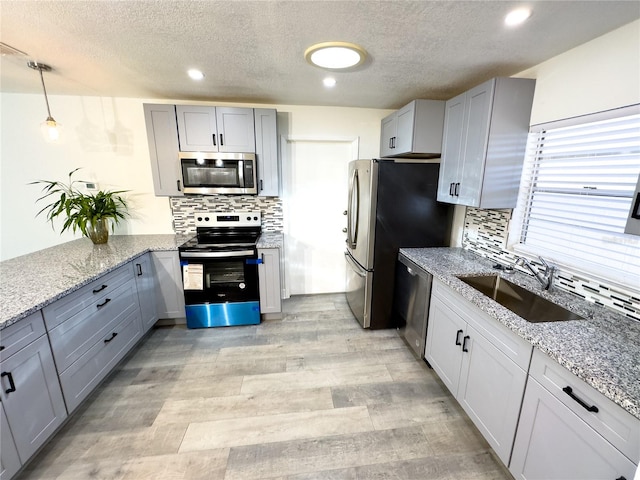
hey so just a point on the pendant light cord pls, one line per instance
(46, 100)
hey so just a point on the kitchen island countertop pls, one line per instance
(603, 349)
(32, 281)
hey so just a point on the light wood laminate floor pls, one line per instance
(311, 396)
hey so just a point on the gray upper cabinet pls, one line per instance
(267, 152)
(413, 131)
(484, 141)
(215, 129)
(30, 392)
(162, 135)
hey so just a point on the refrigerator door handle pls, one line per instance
(353, 211)
(355, 267)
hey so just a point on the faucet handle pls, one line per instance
(545, 264)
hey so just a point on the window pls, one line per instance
(577, 186)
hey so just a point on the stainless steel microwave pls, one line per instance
(212, 173)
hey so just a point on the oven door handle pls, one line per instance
(236, 253)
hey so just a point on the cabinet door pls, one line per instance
(451, 161)
(236, 133)
(404, 135)
(197, 128)
(388, 128)
(553, 442)
(162, 136)
(9, 459)
(269, 280)
(491, 390)
(267, 152)
(445, 334)
(476, 125)
(33, 403)
(169, 292)
(146, 286)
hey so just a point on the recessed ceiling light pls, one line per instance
(195, 74)
(516, 17)
(329, 82)
(335, 55)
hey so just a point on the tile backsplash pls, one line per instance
(485, 233)
(185, 209)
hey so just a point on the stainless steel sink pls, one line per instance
(520, 301)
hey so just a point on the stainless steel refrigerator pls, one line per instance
(391, 204)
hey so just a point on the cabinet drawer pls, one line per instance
(89, 295)
(509, 343)
(611, 421)
(72, 338)
(85, 374)
(20, 334)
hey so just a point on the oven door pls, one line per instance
(220, 287)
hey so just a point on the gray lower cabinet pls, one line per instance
(30, 393)
(269, 280)
(481, 362)
(9, 459)
(170, 296)
(267, 152)
(560, 435)
(162, 137)
(146, 287)
(91, 329)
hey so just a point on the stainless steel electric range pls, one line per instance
(220, 270)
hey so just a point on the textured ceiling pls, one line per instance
(252, 51)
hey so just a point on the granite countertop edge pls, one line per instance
(26, 288)
(601, 350)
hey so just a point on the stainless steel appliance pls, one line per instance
(220, 270)
(411, 299)
(211, 173)
(391, 204)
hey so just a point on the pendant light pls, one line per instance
(50, 128)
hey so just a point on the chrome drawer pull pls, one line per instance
(590, 408)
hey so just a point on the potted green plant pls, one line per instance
(89, 213)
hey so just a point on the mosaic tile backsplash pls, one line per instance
(185, 209)
(485, 233)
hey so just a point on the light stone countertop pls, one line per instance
(32, 281)
(271, 240)
(603, 349)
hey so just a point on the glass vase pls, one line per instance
(98, 232)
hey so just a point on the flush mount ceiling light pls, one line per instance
(195, 74)
(517, 17)
(335, 55)
(50, 128)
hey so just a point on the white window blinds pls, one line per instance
(578, 182)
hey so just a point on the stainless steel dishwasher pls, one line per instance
(411, 303)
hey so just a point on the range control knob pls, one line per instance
(255, 218)
(199, 219)
(206, 219)
(248, 218)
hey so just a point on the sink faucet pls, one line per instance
(545, 278)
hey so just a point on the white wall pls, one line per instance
(107, 138)
(599, 75)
